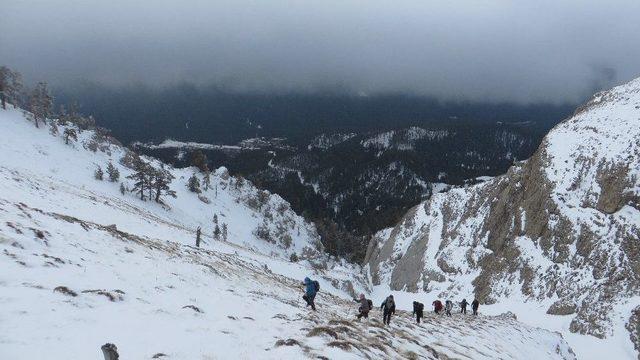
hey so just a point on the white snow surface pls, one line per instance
(83, 265)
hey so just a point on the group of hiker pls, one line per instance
(388, 306)
(448, 306)
(418, 308)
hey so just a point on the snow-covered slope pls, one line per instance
(67, 171)
(83, 265)
(80, 284)
(556, 239)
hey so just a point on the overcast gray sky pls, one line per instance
(525, 50)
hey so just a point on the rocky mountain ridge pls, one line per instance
(561, 229)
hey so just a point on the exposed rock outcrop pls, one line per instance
(563, 225)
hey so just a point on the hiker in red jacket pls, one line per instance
(437, 306)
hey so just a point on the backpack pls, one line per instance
(370, 304)
(316, 285)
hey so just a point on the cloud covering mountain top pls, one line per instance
(489, 51)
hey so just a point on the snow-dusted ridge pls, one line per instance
(556, 239)
(83, 265)
(402, 139)
(175, 144)
(325, 142)
(246, 144)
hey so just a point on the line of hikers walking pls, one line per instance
(418, 308)
(388, 306)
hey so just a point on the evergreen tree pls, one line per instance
(10, 86)
(123, 190)
(69, 134)
(216, 232)
(199, 160)
(53, 129)
(225, 233)
(160, 183)
(215, 219)
(239, 182)
(193, 184)
(198, 233)
(113, 172)
(40, 103)
(99, 174)
(140, 177)
(74, 117)
(206, 180)
(63, 117)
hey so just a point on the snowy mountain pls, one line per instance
(84, 264)
(555, 240)
(354, 184)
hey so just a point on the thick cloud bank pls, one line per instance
(476, 50)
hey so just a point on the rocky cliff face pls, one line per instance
(562, 228)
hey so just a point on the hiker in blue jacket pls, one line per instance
(311, 289)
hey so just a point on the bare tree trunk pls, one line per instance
(110, 352)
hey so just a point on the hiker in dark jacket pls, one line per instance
(364, 308)
(448, 305)
(437, 306)
(388, 307)
(311, 289)
(474, 305)
(418, 309)
(463, 306)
